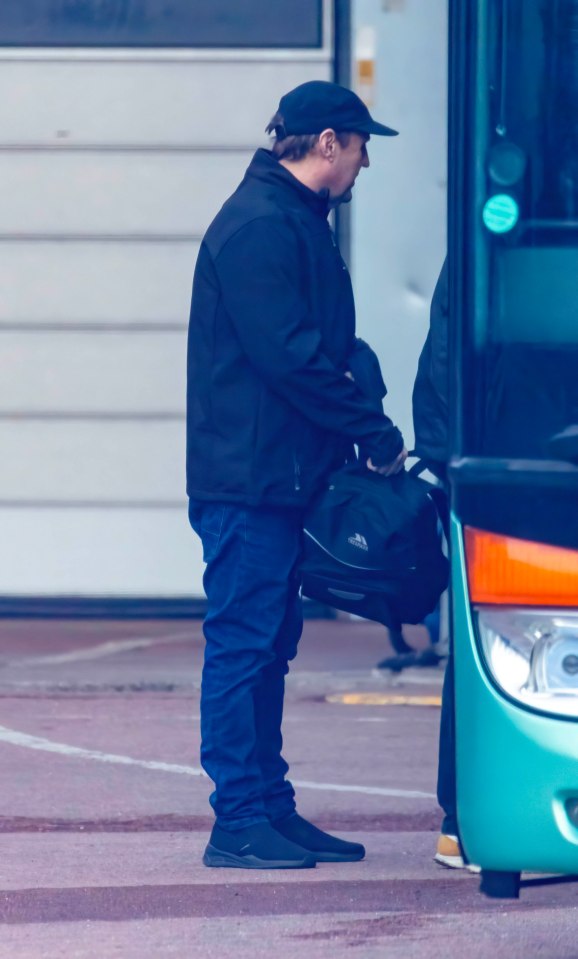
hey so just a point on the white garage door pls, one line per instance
(115, 154)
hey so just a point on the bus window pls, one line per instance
(522, 342)
(161, 23)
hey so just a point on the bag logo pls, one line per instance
(359, 541)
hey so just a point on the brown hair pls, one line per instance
(298, 146)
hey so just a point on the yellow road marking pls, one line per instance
(382, 699)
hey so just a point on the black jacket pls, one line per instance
(430, 392)
(269, 409)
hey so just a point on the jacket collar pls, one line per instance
(266, 168)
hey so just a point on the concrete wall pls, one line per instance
(112, 162)
(112, 166)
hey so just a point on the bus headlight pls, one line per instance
(532, 655)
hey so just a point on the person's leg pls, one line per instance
(250, 554)
(446, 784)
(449, 850)
(278, 793)
(432, 624)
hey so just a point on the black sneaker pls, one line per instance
(324, 847)
(398, 662)
(256, 847)
(424, 657)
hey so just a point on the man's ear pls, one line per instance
(327, 144)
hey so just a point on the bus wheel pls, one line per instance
(500, 885)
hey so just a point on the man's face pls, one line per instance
(347, 163)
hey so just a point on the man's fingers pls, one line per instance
(392, 468)
(382, 470)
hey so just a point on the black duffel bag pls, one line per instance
(372, 546)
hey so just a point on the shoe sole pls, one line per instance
(218, 858)
(337, 857)
(455, 862)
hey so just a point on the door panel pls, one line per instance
(92, 461)
(112, 164)
(102, 552)
(61, 373)
(116, 194)
(196, 104)
(107, 283)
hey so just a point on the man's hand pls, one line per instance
(392, 468)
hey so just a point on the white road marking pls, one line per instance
(358, 719)
(47, 745)
(366, 790)
(111, 648)
(16, 738)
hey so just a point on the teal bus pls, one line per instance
(513, 268)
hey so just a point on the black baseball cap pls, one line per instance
(319, 105)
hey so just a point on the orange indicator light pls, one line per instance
(507, 571)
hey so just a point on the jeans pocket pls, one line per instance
(195, 515)
(211, 526)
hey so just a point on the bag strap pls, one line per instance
(418, 467)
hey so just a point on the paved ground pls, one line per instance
(104, 814)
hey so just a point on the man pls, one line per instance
(271, 410)
(431, 425)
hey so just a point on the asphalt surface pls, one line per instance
(104, 814)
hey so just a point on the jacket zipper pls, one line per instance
(297, 473)
(342, 262)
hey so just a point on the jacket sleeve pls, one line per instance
(431, 388)
(259, 271)
(366, 371)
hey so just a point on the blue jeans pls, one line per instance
(253, 624)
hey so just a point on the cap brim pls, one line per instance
(380, 130)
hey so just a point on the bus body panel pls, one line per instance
(516, 769)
